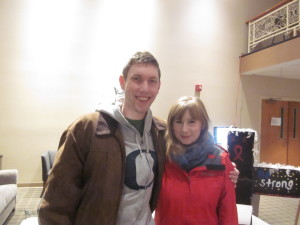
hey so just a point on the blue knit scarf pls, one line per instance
(196, 153)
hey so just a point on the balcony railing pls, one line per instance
(282, 21)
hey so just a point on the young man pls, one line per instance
(109, 164)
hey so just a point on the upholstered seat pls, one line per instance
(8, 193)
(47, 163)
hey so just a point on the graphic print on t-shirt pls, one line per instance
(140, 169)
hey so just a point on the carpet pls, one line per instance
(273, 210)
(28, 199)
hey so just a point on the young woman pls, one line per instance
(196, 189)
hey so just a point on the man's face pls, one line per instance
(141, 87)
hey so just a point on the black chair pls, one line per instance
(47, 163)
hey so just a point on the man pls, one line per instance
(109, 164)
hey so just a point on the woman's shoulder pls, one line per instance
(224, 154)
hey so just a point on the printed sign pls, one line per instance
(276, 121)
(272, 181)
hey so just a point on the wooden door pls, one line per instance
(273, 145)
(293, 157)
(280, 132)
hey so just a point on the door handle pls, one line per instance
(281, 125)
(294, 122)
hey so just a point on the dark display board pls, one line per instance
(240, 147)
(280, 182)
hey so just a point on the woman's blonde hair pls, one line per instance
(197, 111)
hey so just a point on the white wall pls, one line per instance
(59, 58)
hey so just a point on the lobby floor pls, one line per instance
(278, 210)
(273, 210)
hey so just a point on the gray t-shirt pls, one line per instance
(139, 173)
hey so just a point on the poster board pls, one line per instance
(240, 148)
(280, 181)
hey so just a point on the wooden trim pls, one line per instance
(278, 5)
(30, 185)
(278, 54)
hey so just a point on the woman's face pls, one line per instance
(187, 130)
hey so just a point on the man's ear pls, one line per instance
(122, 82)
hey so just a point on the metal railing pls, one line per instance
(283, 21)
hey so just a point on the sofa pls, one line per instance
(8, 193)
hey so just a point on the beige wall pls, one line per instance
(255, 88)
(58, 59)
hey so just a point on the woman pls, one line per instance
(195, 187)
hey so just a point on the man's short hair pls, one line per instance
(141, 57)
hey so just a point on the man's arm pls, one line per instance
(63, 190)
(234, 174)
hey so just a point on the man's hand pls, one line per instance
(234, 174)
